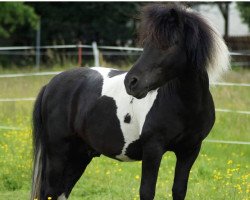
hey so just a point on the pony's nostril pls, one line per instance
(133, 81)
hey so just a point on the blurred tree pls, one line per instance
(14, 15)
(104, 22)
(224, 8)
(244, 8)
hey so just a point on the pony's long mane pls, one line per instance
(165, 24)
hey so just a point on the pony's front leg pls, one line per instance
(185, 160)
(152, 155)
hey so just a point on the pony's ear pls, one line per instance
(174, 17)
(174, 14)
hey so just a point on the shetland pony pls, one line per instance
(162, 103)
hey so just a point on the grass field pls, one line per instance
(222, 171)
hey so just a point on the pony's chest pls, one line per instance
(129, 111)
(131, 115)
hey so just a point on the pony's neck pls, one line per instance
(192, 80)
(189, 81)
(192, 87)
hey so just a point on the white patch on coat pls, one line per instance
(62, 197)
(114, 87)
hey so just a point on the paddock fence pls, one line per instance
(240, 44)
(80, 51)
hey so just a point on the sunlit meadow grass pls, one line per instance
(222, 171)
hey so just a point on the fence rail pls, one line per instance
(94, 48)
(75, 46)
(29, 74)
(231, 84)
(227, 142)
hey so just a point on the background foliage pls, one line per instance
(14, 15)
(105, 23)
(244, 8)
(68, 22)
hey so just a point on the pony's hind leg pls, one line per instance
(79, 159)
(64, 166)
(55, 161)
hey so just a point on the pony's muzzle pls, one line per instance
(132, 86)
(131, 83)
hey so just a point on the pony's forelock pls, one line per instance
(206, 50)
(160, 24)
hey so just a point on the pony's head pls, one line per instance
(175, 40)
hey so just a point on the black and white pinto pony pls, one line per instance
(162, 103)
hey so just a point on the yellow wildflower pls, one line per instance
(229, 162)
(108, 172)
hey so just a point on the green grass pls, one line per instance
(222, 171)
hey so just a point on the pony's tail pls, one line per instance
(38, 151)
